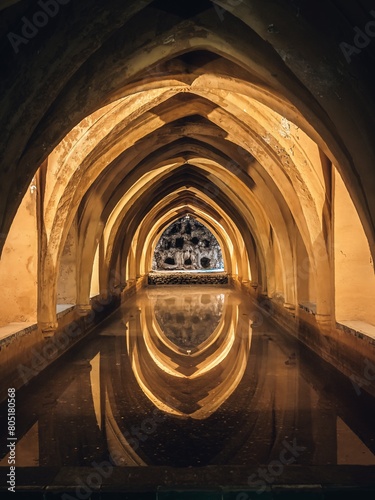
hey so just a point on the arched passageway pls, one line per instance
(253, 118)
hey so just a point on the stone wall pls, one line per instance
(175, 278)
(187, 245)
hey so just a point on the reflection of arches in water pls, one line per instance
(187, 320)
(191, 380)
(270, 401)
(255, 413)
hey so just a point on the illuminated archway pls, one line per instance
(169, 111)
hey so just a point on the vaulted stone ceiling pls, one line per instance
(186, 58)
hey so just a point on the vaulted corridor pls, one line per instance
(210, 145)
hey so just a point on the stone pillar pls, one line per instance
(84, 309)
(48, 329)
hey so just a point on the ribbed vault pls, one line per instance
(151, 44)
(241, 113)
(114, 169)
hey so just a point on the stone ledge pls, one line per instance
(308, 307)
(359, 329)
(14, 331)
(62, 309)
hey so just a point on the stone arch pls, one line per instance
(255, 116)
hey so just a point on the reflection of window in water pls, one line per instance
(189, 321)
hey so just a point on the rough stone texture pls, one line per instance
(187, 244)
(192, 278)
